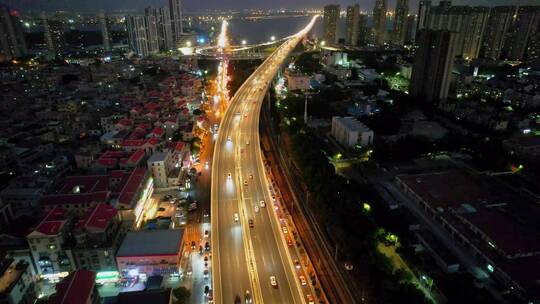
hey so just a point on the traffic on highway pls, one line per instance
(253, 260)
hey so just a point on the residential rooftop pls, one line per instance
(151, 242)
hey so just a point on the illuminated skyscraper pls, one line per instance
(175, 7)
(12, 42)
(330, 23)
(399, 31)
(467, 22)
(379, 21)
(142, 33)
(364, 31)
(105, 25)
(162, 18)
(54, 35)
(524, 25)
(500, 19)
(433, 62)
(353, 23)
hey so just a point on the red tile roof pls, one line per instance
(53, 222)
(153, 141)
(133, 142)
(76, 288)
(84, 198)
(86, 184)
(125, 122)
(136, 156)
(132, 185)
(158, 131)
(97, 218)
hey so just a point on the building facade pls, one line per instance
(54, 35)
(12, 42)
(17, 286)
(379, 21)
(524, 25)
(350, 132)
(48, 245)
(175, 9)
(330, 23)
(499, 21)
(105, 24)
(399, 31)
(98, 235)
(433, 63)
(353, 23)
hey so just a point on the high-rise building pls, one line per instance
(379, 21)
(353, 23)
(472, 32)
(399, 30)
(363, 30)
(433, 62)
(467, 22)
(142, 33)
(409, 29)
(161, 22)
(175, 8)
(54, 35)
(499, 21)
(533, 49)
(105, 24)
(12, 42)
(424, 9)
(524, 24)
(330, 23)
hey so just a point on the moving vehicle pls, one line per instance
(248, 297)
(273, 281)
(263, 204)
(229, 175)
(309, 299)
(245, 183)
(297, 264)
(236, 217)
(251, 225)
(256, 208)
(303, 280)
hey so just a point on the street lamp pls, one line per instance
(188, 44)
(323, 43)
(273, 38)
(244, 42)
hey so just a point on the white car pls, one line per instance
(229, 175)
(263, 204)
(236, 218)
(229, 138)
(256, 208)
(273, 281)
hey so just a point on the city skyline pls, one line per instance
(195, 6)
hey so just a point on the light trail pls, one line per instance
(222, 80)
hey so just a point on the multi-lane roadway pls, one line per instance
(248, 242)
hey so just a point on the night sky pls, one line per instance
(197, 5)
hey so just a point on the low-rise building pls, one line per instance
(48, 245)
(23, 194)
(297, 80)
(77, 287)
(16, 285)
(497, 225)
(150, 252)
(97, 237)
(349, 131)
